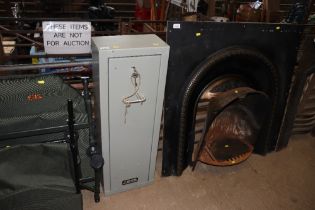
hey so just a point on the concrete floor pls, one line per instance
(283, 180)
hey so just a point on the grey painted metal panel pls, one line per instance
(129, 149)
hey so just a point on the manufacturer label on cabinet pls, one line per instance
(129, 181)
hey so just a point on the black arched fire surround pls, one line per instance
(263, 55)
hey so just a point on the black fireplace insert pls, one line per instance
(259, 57)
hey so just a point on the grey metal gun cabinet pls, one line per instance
(129, 72)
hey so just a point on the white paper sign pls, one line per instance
(62, 37)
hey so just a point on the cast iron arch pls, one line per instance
(207, 71)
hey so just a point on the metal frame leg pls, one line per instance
(97, 160)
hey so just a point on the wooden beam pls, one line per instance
(1, 51)
(153, 11)
(271, 6)
(7, 7)
(211, 8)
(308, 12)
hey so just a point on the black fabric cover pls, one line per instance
(37, 176)
(19, 111)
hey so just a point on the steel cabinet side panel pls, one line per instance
(159, 109)
(100, 80)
